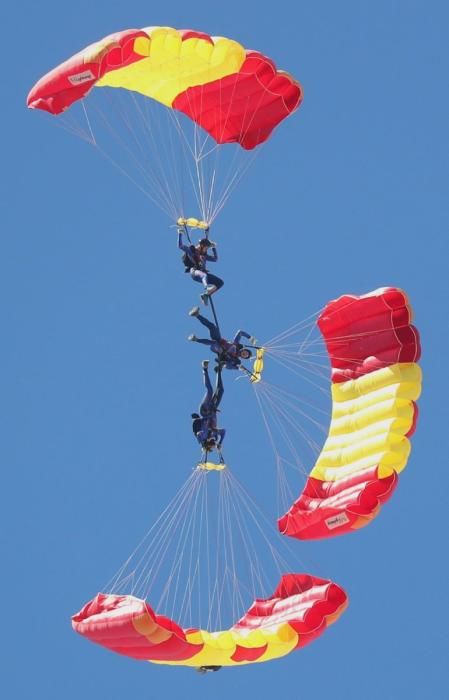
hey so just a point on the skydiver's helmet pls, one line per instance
(203, 243)
(245, 354)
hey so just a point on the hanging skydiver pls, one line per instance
(195, 258)
(205, 424)
(230, 353)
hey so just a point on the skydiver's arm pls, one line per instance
(213, 257)
(201, 435)
(181, 245)
(221, 432)
(241, 334)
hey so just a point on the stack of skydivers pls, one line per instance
(229, 353)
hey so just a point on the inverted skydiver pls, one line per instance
(205, 669)
(195, 258)
(205, 424)
(229, 353)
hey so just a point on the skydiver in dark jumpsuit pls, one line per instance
(229, 353)
(204, 424)
(195, 259)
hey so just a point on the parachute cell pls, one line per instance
(237, 96)
(300, 609)
(373, 350)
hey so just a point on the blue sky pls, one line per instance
(98, 381)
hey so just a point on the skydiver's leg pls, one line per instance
(206, 404)
(203, 341)
(215, 283)
(199, 276)
(212, 328)
(219, 389)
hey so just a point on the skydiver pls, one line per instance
(229, 353)
(204, 424)
(195, 258)
(205, 669)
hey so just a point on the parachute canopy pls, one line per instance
(235, 95)
(373, 350)
(299, 610)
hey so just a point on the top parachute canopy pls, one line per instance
(235, 95)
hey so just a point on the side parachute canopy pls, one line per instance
(373, 350)
(299, 610)
(236, 95)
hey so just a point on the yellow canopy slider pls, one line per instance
(211, 466)
(191, 222)
(258, 366)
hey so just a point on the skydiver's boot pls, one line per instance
(195, 311)
(192, 337)
(205, 364)
(205, 298)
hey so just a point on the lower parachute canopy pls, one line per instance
(300, 609)
(373, 350)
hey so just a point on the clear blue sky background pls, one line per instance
(352, 194)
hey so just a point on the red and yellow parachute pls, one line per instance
(236, 95)
(300, 609)
(373, 349)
